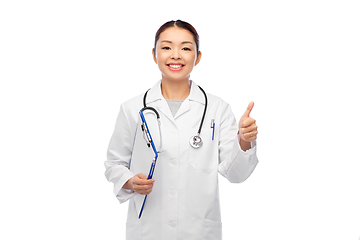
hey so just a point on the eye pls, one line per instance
(186, 49)
(166, 48)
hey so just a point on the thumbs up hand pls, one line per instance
(247, 127)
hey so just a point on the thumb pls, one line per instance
(248, 110)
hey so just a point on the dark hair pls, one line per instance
(180, 24)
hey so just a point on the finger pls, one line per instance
(145, 192)
(138, 181)
(143, 177)
(248, 129)
(248, 110)
(247, 122)
(138, 187)
(143, 189)
(143, 182)
(249, 137)
(250, 134)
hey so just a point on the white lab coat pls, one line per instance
(184, 203)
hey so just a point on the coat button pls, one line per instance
(173, 162)
(172, 224)
(173, 193)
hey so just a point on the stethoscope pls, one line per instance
(195, 141)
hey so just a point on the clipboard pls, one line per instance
(143, 155)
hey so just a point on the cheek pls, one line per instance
(161, 58)
(191, 59)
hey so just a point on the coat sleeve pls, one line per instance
(119, 155)
(234, 164)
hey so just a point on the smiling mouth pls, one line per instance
(175, 66)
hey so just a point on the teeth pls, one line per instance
(175, 66)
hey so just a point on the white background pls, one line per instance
(65, 67)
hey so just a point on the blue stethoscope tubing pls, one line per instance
(195, 141)
(147, 128)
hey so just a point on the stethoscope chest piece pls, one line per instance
(196, 141)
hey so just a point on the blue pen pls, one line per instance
(213, 127)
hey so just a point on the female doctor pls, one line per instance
(182, 195)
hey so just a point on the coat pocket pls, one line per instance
(212, 230)
(205, 157)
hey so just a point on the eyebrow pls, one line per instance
(185, 42)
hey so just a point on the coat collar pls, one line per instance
(155, 94)
(156, 99)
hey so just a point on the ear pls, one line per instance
(198, 58)
(154, 56)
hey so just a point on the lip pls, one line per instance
(175, 69)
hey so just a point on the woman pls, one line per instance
(183, 201)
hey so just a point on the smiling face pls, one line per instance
(176, 54)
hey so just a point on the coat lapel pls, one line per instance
(155, 99)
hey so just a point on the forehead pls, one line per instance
(176, 35)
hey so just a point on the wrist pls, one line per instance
(244, 144)
(129, 184)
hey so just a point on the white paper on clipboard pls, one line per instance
(142, 155)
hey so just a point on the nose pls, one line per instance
(176, 54)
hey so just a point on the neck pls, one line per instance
(176, 90)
